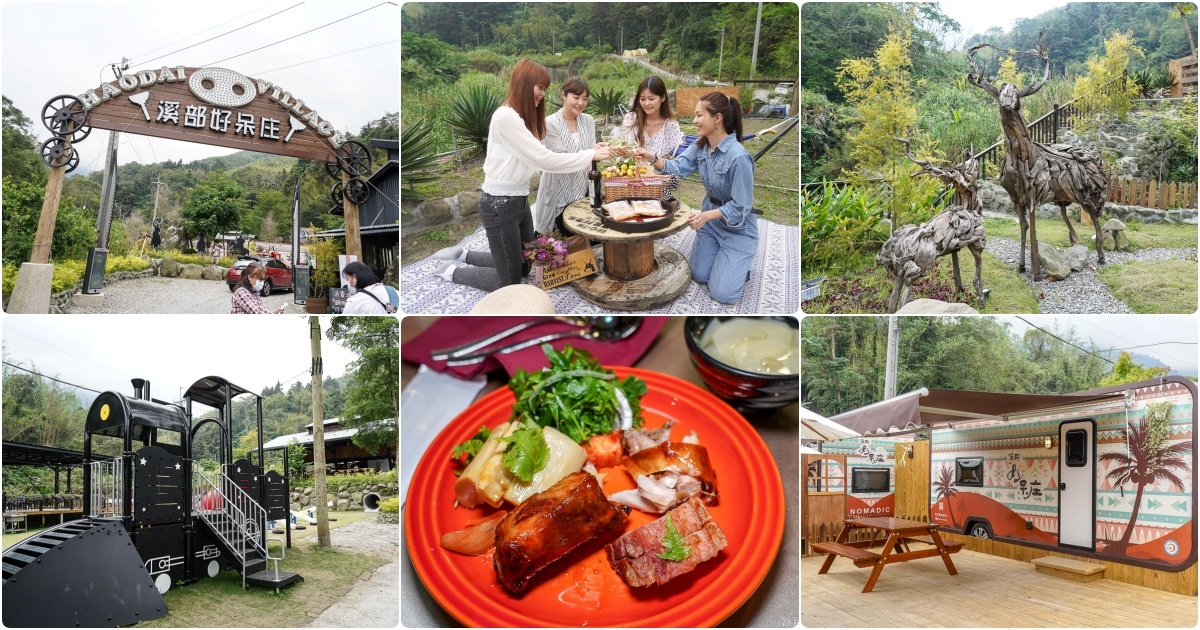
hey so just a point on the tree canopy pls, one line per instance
(371, 400)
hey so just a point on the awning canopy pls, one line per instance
(18, 454)
(931, 408)
(814, 426)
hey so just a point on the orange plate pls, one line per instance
(581, 589)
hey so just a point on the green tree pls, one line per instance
(247, 444)
(74, 229)
(1102, 93)
(372, 404)
(20, 150)
(1126, 371)
(295, 458)
(276, 211)
(213, 206)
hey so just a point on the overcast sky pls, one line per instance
(54, 48)
(976, 16)
(1125, 331)
(103, 352)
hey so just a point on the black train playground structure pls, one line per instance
(151, 518)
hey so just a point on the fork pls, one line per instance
(466, 348)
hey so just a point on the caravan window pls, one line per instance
(870, 480)
(970, 471)
(1077, 440)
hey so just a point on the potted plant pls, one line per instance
(546, 252)
(324, 254)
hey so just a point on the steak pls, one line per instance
(634, 556)
(549, 524)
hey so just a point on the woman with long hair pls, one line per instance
(650, 124)
(568, 130)
(726, 230)
(514, 153)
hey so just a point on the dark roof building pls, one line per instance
(379, 216)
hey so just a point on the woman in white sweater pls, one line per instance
(568, 130)
(514, 153)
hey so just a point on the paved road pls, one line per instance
(373, 602)
(176, 295)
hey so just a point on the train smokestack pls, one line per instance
(141, 388)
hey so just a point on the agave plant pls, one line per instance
(471, 115)
(1150, 81)
(418, 163)
(604, 101)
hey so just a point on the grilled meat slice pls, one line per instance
(634, 440)
(549, 524)
(634, 556)
(678, 458)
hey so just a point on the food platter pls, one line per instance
(581, 589)
(638, 224)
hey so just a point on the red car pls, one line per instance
(279, 275)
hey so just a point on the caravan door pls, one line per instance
(1077, 484)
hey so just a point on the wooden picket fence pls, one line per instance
(1148, 193)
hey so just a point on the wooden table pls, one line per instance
(900, 532)
(636, 273)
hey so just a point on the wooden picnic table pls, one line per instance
(899, 532)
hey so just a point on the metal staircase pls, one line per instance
(236, 520)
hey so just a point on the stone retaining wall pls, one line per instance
(434, 213)
(60, 300)
(996, 199)
(345, 500)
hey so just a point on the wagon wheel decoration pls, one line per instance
(65, 116)
(354, 158)
(56, 154)
(357, 191)
(335, 193)
(333, 169)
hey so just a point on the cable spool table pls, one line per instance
(636, 273)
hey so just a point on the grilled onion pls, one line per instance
(476, 538)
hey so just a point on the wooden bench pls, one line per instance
(860, 556)
(950, 545)
(1070, 569)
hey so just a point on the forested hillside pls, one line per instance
(844, 360)
(682, 36)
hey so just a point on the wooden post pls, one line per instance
(45, 228)
(628, 261)
(353, 240)
(1152, 195)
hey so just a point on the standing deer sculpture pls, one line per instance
(1034, 174)
(913, 250)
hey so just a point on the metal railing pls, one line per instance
(107, 491)
(243, 516)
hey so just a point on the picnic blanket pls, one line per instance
(773, 288)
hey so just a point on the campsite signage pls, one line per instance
(211, 106)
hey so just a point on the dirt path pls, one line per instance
(374, 601)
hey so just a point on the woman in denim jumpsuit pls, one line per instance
(726, 231)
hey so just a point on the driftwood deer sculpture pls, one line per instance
(1034, 173)
(913, 250)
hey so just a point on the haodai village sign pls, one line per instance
(214, 106)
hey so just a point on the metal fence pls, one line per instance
(107, 490)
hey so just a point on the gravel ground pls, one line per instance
(375, 601)
(1082, 291)
(176, 295)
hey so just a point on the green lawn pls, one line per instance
(867, 290)
(1167, 286)
(12, 539)
(1141, 235)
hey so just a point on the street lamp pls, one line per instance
(722, 55)
(622, 29)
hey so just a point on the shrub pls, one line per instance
(183, 258)
(487, 60)
(354, 482)
(391, 506)
(839, 227)
(418, 163)
(125, 263)
(9, 277)
(226, 261)
(67, 274)
(471, 115)
(604, 101)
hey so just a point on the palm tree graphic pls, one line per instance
(1144, 465)
(944, 485)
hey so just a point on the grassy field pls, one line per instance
(12, 539)
(1141, 235)
(1167, 286)
(868, 289)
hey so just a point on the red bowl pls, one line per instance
(748, 392)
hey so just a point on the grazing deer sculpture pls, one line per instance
(1035, 174)
(913, 250)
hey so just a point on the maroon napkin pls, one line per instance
(453, 331)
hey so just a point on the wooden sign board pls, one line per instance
(685, 98)
(580, 264)
(213, 106)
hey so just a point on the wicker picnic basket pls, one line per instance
(619, 188)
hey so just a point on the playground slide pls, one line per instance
(81, 573)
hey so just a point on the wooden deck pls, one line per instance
(988, 591)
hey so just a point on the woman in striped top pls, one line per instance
(568, 130)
